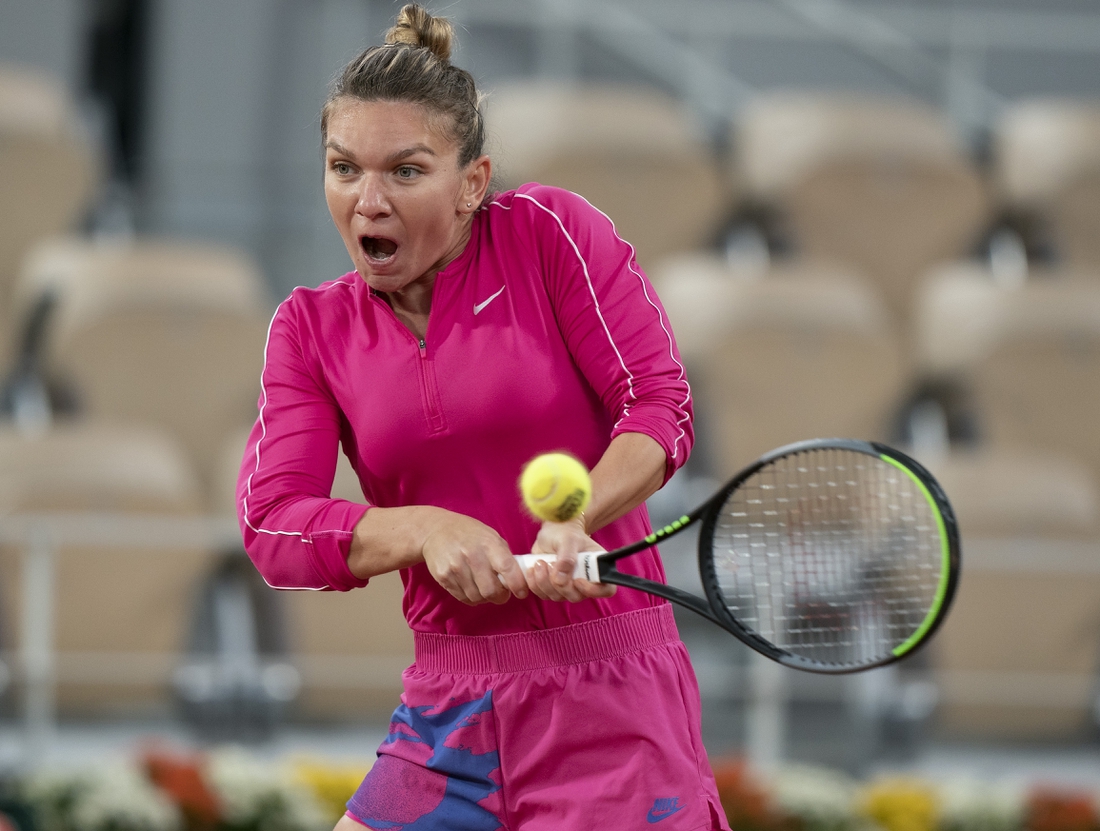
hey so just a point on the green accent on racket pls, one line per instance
(941, 592)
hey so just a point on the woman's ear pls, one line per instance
(478, 174)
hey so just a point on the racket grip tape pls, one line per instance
(587, 566)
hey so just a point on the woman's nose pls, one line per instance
(372, 200)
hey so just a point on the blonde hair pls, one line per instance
(414, 66)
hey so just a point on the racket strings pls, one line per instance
(830, 554)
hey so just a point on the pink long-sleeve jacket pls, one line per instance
(544, 335)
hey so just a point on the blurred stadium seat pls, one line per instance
(49, 170)
(805, 351)
(350, 647)
(1046, 155)
(639, 156)
(1018, 656)
(880, 184)
(1028, 355)
(155, 333)
(120, 611)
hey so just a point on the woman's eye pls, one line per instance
(406, 172)
(341, 168)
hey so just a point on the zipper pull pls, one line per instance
(423, 346)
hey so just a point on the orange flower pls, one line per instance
(744, 800)
(1053, 810)
(180, 777)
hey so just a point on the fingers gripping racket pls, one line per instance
(831, 555)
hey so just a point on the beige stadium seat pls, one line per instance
(48, 168)
(1019, 653)
(120, 610)
(636, 154)
(155, 332)
(882, 184)
(802, 352)
(1046, 155)
(1029, 355)
(350, 647)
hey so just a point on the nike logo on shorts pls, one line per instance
(664, 808)
(479, 307)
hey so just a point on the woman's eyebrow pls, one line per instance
(411, 151)
(339, 148)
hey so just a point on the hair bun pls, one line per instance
(415, 27)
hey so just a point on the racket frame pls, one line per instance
(714, 608)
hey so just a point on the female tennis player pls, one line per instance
(476, 331)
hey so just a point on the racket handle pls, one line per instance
(587, 563)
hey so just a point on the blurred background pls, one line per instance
(870, 218)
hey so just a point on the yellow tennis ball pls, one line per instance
(555, 487)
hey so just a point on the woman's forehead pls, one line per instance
(385, 125)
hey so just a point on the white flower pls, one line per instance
(822, 798)
(972, 805)
(120, 798)
(53, 795)
(261, 794)
(111, 797)
(241, 783)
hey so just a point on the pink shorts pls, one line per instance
(588, 726)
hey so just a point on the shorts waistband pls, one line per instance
(577, 643)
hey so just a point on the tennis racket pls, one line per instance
(831, 556)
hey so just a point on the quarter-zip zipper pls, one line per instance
(425, 366)
(429, 390)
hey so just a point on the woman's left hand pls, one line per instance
(565, 540)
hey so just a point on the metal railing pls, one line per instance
(39, 536)
(941, 53)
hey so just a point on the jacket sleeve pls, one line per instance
(295, 534)
(612, 321)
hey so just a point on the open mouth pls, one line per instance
(378, 249)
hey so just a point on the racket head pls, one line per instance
(831, 555)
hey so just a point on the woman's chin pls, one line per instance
(380, 278)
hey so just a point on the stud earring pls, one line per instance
(469, 204)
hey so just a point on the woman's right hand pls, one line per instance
(465, 556)
(472, 561)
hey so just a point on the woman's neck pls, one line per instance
(413, 304)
